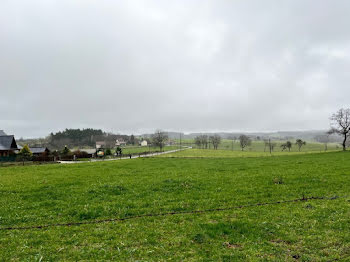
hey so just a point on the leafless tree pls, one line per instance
(300, 143)
(233, 140)
(215, 140)
(197, 141)
(286, 145)
(266, 144)
(340, 124)
(270, 145)
(204, 141)
(159, 138)
(244, 141)
(324, 139)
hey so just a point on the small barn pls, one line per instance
(100, 144)
(40, 151)
(143, 143)
(120, 142)
(90, 152)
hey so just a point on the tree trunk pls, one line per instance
(344, 142)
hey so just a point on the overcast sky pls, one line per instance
(135, 66)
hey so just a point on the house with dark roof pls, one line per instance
(40, 151)
(2, 133)
(8, 145)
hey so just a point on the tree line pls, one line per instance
(205, 142)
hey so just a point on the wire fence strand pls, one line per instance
(170, 213)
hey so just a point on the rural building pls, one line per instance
(171, 142)
(90, 152)
(120, 143)
(143, 143)
(40, 151)
(100, 144)
(8, 145)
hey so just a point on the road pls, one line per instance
(123, 158)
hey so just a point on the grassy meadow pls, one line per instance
(259, 146)
(142, 149)
(314, 230)
(220, 153)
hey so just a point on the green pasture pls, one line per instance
(146, 149)
(259, 146)
(314, 230)
(220, 153)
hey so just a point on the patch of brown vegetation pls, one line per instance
(231, 245)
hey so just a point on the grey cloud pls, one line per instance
(134, 66)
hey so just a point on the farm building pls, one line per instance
(40, 151)
(91, 152)
(143, 143)
(8, 145)
(120, 143)
(100, 144)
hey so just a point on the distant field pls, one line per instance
(139, 149)
(260, 146)
(314, 230)
(198, 153)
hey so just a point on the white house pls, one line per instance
(120, 143)
(143, 143)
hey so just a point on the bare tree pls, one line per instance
(340, 124)
(197, 141)
(244, 141)
(270, 145)
(286, 145)
(159, 138)
(204, 141)
(233, 140)
(300, 143)
(266, 144)
(324, 139)
(215, 140)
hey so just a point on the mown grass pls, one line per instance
(143, 149)
(211, 153)
(259, 146)
(317, 230)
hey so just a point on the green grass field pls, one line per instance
(210, 153)
(314, 230)
(259, 146)
(143, 149)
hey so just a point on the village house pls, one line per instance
(100, 144)
(90, 152)
(40, 151)
(8, 145)
(143, 143)
(120, 143)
